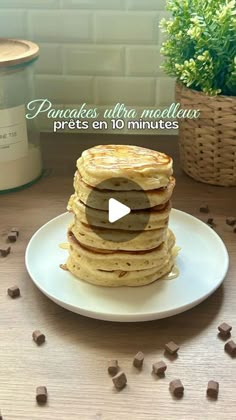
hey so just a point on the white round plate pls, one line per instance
(203, 263)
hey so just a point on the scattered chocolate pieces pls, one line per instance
(213, 389)
(119, 380)
(13, 292)
(159, 368)
(12, 236)
(41, 394)
(230, 348)
(113, 367)
(231, 221)
(1, 417)
(224, 329)
(176, 388)
(5, 251)
(138, 360)
(16, 230)
(171, 347)
(210, 222)
(204, 208)
(38, 337)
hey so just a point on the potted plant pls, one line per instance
(200, 51)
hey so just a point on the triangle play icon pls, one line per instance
(116, 210)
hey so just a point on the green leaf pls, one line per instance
(206, 29)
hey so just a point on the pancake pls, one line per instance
(117, 278)
(148, 168)
(133, 199)
(140, 248)
(158, 218)
(125, 240)
(120, 260)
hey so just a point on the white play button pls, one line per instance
(118, 204)
(116, 210)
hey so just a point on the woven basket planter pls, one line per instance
(208, 144)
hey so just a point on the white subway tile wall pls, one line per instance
(131, 91)
(50, 59)
(99, 60)
(60, 26)
(126, 28)
(146, 4)
(94, 4)
(13, 23)
(143, 61)
(30, 4)
(96, 51)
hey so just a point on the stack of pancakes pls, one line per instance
(134, 258)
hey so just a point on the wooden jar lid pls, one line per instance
(16, 51)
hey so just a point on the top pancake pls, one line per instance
(148, 168)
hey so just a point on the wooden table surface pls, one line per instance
(73, 361)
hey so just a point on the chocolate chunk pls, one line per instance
(41, 394)
(113, 367)
(16, 230)
(13, 292)
(120, 380)
(211, 222)
(1, 417)
(213, 389)
(159, 368)
(224, 329)
(231, 221)
(38, 337)
(171, 347)
(204, 208)
(138, 360)
(12, 236)
(230, 348)
(5, 251)
(176, 388)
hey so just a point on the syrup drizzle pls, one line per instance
(173, 274)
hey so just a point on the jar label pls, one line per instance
(13, 133)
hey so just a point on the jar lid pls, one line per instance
(16, 51)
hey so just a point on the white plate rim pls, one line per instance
(127, 317)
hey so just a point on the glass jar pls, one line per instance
(20, 154)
